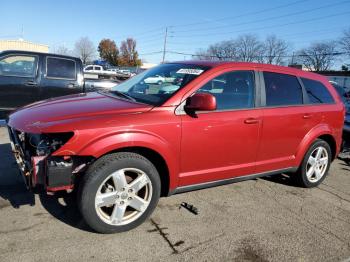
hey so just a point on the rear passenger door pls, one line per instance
(59, 77)
(286, 121)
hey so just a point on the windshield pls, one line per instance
(158, 84)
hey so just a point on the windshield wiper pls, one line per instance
(121, 94)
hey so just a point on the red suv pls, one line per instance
(205, 124)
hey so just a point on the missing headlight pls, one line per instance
(45, 144)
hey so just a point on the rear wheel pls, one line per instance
(119, 192)
(315, 165)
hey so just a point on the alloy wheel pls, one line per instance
(317, 164)
(123, 196)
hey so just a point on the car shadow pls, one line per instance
(63, 206)
(13, 192)
(284, 179)
(12, 188)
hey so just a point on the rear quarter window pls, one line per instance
(317, 92)
(282, 90)
(60, 68)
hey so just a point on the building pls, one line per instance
(22, 45)
(342, 78)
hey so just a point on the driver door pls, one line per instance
(222, 144)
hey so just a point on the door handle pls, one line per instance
(307, 116)
(251, 121)
(30, 83)
(71, 85)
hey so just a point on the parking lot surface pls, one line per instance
(266, 219)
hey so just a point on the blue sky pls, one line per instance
(192, 24)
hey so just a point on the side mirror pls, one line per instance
(201, 102)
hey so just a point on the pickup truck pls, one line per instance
(27, 77)
(98, 71)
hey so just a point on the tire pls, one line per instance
(119, 192)
(321, 166)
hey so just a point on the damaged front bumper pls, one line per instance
(39, 168)
(18, 152)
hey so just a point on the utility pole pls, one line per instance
(164, 47)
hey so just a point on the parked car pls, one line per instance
(27, 77)
(98, 71)
(346, 100)
(157, 79)
(126, 148)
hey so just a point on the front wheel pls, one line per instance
(315, 165)
(119, 192)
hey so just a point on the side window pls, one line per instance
(89, 68)
(232, 90)
(60, 68)
(282, 90)
(317, 92)
(97, 68)
(18, 65)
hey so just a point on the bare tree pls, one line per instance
(203, 54)
(62, 50)
(274, 50)
(85, 49)
(225, 50)
(249, 48)
(344, 41)
(318, 56)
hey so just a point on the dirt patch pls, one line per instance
(249, 250)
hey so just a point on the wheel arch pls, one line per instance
(331, 142)
(319, 132)
(156, 159)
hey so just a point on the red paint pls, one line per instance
(212, 146)
(202, 102)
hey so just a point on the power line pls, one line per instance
(158, 29)
(266, 19)
(151, 53)
(266, 27)
(319, 32)
(260, 56)
(243, 15)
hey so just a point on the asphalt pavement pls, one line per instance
(266, 219)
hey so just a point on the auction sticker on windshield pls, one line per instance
(190, 71)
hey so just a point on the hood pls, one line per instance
(88, 106)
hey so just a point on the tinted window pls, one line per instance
(18, 65)
(60, 68)
(317, 92)
(233, 90)
(282, 89)
(89, 68)
(97, 68)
